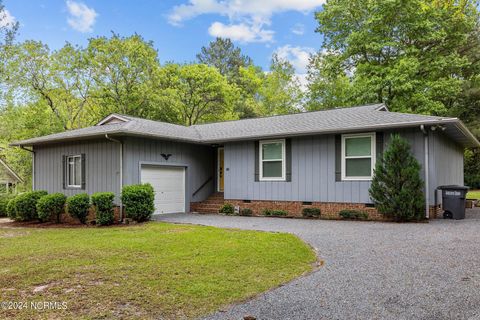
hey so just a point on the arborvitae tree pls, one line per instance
(397, 188)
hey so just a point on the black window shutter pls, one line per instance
(257, 160)
(338, 157)
(288, 159)
(83, 171)
(64, 171)
(379, 145)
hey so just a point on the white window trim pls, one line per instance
(260, 159)
(68, 171)
(371, 135)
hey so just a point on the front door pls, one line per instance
(220, 173)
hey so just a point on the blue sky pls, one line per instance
(178, 28)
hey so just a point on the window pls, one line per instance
(74, 171)
(272, 160)
(358, 156)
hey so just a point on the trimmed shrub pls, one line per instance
(472, 168)
(26, 205)
(78, 205)
(227, 209)
(274, 213)
(103, 203)
(4, 199)
(51, 205)
(12, 208)
(397, 188)
(311, 212)
(138, 201)
(353, 214)
(246, 212)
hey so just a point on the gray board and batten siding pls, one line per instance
(197, 159)
(314, 176)
(312, 168)
(102, 164)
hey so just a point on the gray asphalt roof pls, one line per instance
(360, 118)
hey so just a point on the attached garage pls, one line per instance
(169, 185)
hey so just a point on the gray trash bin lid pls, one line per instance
(454, 187)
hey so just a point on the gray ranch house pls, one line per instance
(323, 159)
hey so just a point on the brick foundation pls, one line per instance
(329, 210)
(436, 212)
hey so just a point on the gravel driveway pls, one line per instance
(372, 270)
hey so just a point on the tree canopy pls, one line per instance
(48, 91)
(415, 56)
(419, 56)
(225, 56)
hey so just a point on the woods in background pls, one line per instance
(417, 56)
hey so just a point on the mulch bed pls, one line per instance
(7, 223)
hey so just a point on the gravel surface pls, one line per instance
(372, 270)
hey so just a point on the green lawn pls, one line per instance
(155, 270)
(473, 194)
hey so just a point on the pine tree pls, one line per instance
(397, 188)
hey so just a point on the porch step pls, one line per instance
(211, 205)
(216, 196)
(216, 202)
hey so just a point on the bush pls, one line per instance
(397, 188)
(51, 205)
(227, 209)
(274, 213)
(103, 202)
(472, 168)
(26, 205)
(353, 214)
(246, 212)
(4, 199)
(138, 201)
(78, 205)
(311, 212)
(12, 208)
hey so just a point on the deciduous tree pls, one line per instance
(413, 55)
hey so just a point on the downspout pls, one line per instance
(427, 182)
(121, 172)
(33, 165)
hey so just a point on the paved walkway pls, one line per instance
(372, 270)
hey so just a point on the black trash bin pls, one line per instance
(453, 201)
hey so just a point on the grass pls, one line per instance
(155, 270)
(473, 194)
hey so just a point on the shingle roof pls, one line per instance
(361, 118)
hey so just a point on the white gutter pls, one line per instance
(33, 165)
(121, 173)
(426, 168)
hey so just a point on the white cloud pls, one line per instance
(82, 18)
(6, 19)
(298, 29)
(299, 57)
(241, 32)
(302, 79)
(252, 16)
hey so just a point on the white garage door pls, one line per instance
(169, 186)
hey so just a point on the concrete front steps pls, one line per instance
(211, 205)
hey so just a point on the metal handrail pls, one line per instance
(203, 185)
